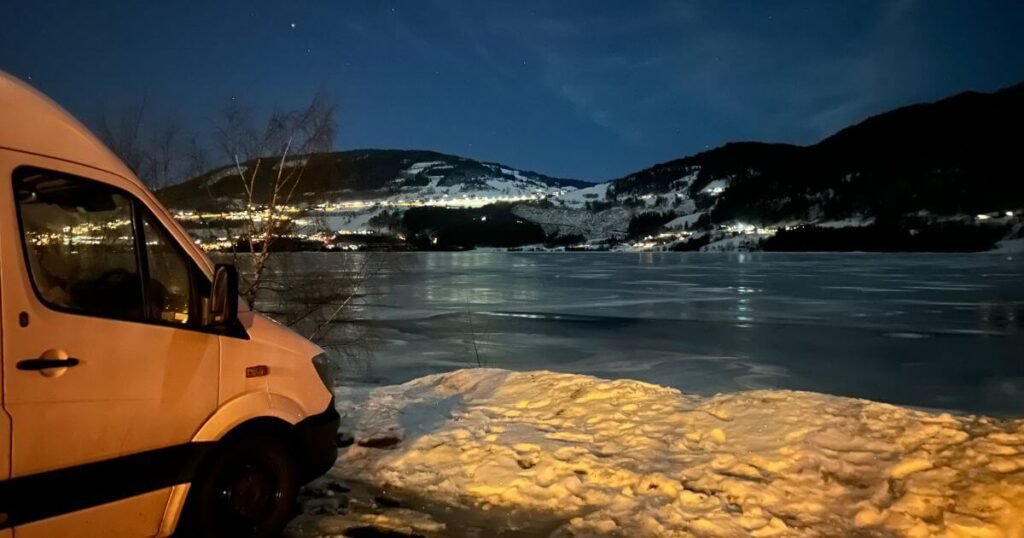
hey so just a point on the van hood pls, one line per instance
(267, 332)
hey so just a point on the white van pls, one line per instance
(140, 396)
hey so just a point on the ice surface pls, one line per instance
(707, 323)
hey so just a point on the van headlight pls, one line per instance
(325, 369)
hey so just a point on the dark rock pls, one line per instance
(385, 442)
(387, 502)
(373, 532)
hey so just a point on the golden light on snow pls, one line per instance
(627, 458)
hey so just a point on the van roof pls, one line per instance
(31, 122)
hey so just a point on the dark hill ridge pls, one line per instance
(959, 155)
(361, 174)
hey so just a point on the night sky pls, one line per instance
(582, 89)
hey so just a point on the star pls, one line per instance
(293, 26)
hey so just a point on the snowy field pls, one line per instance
(489, 452)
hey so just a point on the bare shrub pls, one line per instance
(268, 157)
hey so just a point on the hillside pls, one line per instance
(950, 169)
(367, 174)
(960, 155)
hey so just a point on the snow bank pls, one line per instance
(1009, 246)
(626, 458)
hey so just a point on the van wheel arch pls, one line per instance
(257, 427)
(262, 426)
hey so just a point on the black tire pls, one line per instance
(246, 489)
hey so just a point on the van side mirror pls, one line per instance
(222, 306)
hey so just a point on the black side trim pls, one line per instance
(34, 497)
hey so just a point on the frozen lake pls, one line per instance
(937, 331)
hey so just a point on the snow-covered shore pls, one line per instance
(571, 455)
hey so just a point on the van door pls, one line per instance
(107, 374)
(5, 421)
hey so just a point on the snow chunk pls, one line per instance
(909, 467)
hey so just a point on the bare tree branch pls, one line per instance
(148, 148)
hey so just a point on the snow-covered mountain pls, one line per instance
(934, 176)
(956, 156)
(372, 175)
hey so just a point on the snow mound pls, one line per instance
(625, 458)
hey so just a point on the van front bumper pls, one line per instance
(317, 439)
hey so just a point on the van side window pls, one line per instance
(80, 244)
(94, 249)
(170, 284)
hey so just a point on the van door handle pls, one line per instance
(43, 364)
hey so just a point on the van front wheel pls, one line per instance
(247, 489)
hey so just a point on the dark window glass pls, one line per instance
(80, 244)
(169, 275)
